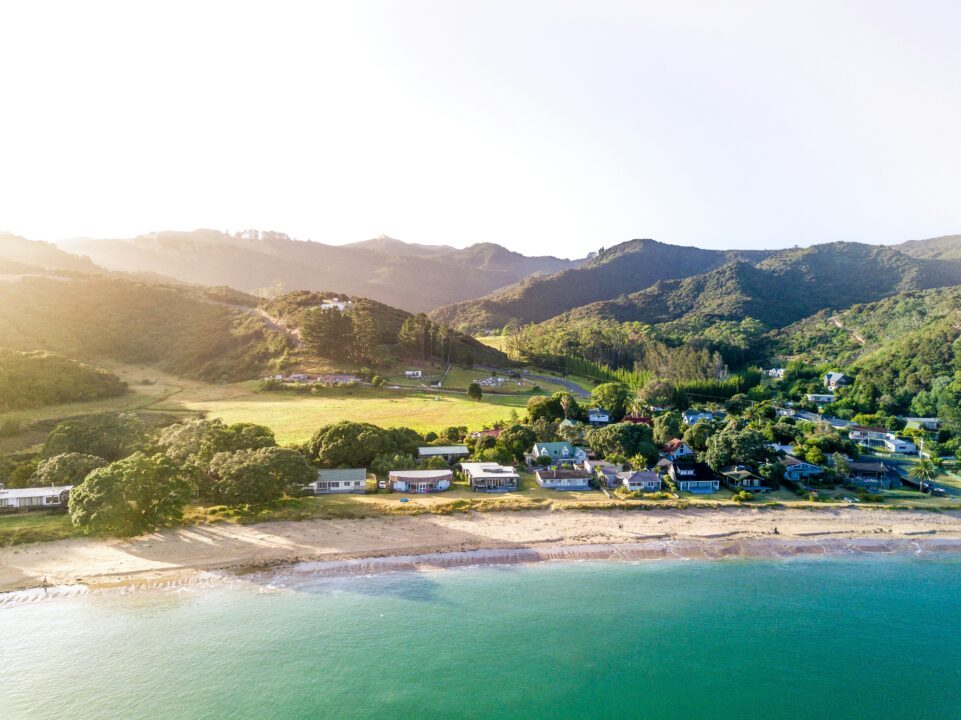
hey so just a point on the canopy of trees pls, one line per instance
(29, 380)
(110, 437)
(354, 444)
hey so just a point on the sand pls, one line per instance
(424, 541)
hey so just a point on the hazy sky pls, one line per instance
(550, 127)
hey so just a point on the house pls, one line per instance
(899, 445)
(693, 477)
(781, 449)
(604, 471)
(420, 481)
(776, 373)
(335, 304)
(598, 416)
(677, 449)
(834, 380)
(490, 476)
(448, 452)
(35, 498)
(640, 480)
(820, 398)
(798, 470)
(692, 416)
(413, 374)
(872, 476)
(877, 437)
(740, 477)
(352, 480)
(555, 453)
(639, 420)
(563, 479)
(925, 423)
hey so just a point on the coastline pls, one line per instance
(427, 542)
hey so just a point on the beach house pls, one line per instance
(740, 477)
(420, 481)
(555, 478)
(693, 477)
(640, 480)
(604, 471)
(449, 452)
(341, 480)
(490, 476)
(556, 453)
(797, 470)
(873, 476)
(34, 498)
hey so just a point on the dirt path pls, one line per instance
(840, 325)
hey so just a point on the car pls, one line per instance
(382, 484)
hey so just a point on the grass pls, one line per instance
(36, 526)
(493, 341)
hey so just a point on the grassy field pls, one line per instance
(494, 341)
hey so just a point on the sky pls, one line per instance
(551, 126)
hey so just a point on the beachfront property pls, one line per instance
(449, 452)
(604, 471)
(677, 449)
(797, 470)
(490, 476)
(873, 476)
(554, 478)
(820, 398)
(34, 498)
(740, 477)
(640, 480)
(421, 481)
(598, 417)
(834, 380)
(693, 477)
(341, 480)
(556, 453)
(878, 437)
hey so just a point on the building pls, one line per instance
(335, 304)
(677, 449)
(692, 416)
(922, 423)
(740, 477)
(798, 470)
(36, 498)
(639, 420)
(420, 481)
(878, 437)
(556, 453)
(776, 373)
(490, 476)
(820, 398)
(563, 479)
(693, 477)
(604, 471)
(491, 433)
(872, 475)
(413, 374)
(351, 480)
(640, 480)
(598, 416)
(834, 380)
(449, 452)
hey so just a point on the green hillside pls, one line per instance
(35, 379)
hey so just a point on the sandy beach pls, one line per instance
(418, 542)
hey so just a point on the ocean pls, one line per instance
(837, 638)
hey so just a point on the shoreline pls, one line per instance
(421, 543)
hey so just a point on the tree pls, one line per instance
(258, 476)
(327, 332)
(354, 444)
(383, 464)
(924, 471)
(656, 393)
(517, 440)
(108, 436)
(129, 496)
(733, 446)
(67, 469)
(474, 392)
(666, 427)
(737, 404)
(364, 335)
(613, 397)
(435, 462)
(619, 439)
(841, 465)
(564, 405)
(698, 434)
(497, 454)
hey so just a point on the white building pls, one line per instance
(350, 480)
(820, 398)
(413, 374)
(640, 480)
(421, 481)
(491, 476)
(35, 498)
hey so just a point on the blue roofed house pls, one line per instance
(692, 416)
(556, 453)
(640, 480)
(598, 416)
(797, 470)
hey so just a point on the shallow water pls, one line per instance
(827, 638)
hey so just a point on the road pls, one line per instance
(574, 388)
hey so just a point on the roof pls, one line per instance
(834, 375)
(553, 448)
(865, 428)
(673, 445)
(868, 467)
(34, 491)
(342, 475)
(443, 450)
(737, 472)
(638, 475)
(488, 469)
(598, 410)
(421, 474)
(701, 471)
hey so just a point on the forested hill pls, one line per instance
(780, 289)
(18, 254)
(622, 269)
(29, 380)
(413, 277)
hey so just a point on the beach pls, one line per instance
(423, 541)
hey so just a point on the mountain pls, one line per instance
(622, 269)
(947, 247)
(18, 254)
(413, 277)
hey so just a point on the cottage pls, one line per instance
(693, 477)
(604, 471)
(798, 470)
(448, 452)
(350, 480)
(640, 480)
(820, 398)
(35, 498)
(598, 416)
(556, 453)
(677, 449)
(834, 380)
(490, 476)
(413, 374)
(873, 475)
(692, 416)
(740, 477)
(420, 481)
(563, 479)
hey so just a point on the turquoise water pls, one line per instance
(806, 639)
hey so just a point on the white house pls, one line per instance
(563, 479)
(413, 374)
(677, 449)
(604, 471)
(820, 398)
(598, 416)
(420, 481)
(876, 437)
(35, 498)
(640, 480)
(448, 452)
(692, 416)
(342, 480)
(490, 476)
(555, 453)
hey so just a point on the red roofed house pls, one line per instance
(676, 449)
